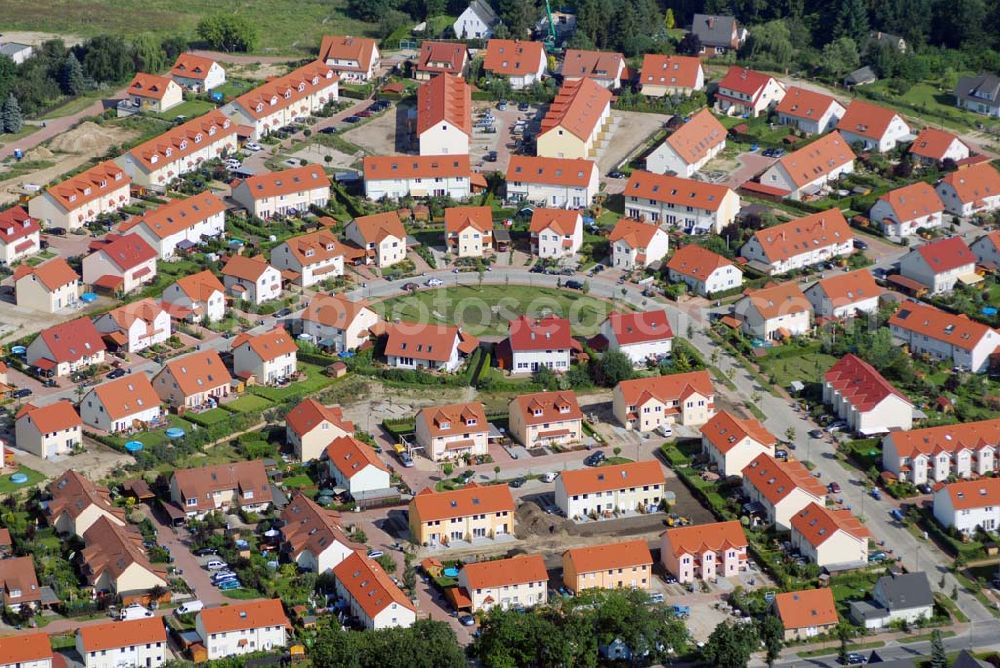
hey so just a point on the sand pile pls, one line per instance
(87, 137)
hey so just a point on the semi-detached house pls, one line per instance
(554, 182)
(515, 582)
(934, 145)
(50, 286)
(26, 650)
(938, 265)
(243, 627)
(468, 514)
(399, 176)
(782, 488)
(269, 358)
(285, 193)
(198, 297)
(574, 124)
(381, 237)
(523, 63)
(637, 245)
(642, 336)
(452, 430)
(251, 279)
(968, 506)
(133, 642)
(414, 345)
(311, 535)
(546, 418)
(810, 112)
(869, 403)
(903, 211)
(732, 442)
(124, 404)
(181, 224)
(80, 199)
(311, 258)
(20, 235)
(875, 127)
(120, 263)
(113, 560)
(703, 271)
(134, 326)
(375, 600)
(310, 427)
(807, 170)
(240, 485)
(555, 233)
(354, 59)
(75, 503)
(278, 102)
(670, 75)
(747, 92)
(181, 149)
(830, 537)
(774, 312)
(645, 404)
(355, 467)
(444, 116)
(45, 431)
(704, 551)
(690, 146)
(800, 243)
(844, 295)
(933, 454)
(65, 348)
(608, 566)
(193, 380)
(944, 336)
(970, 190)
(692, 206)
(197, 73)
(605, 68)
(150, 93)
(606, 490)
(337, 323)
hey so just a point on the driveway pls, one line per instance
(196, 577)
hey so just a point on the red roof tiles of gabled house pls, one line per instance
(947, 438)
(243, 477)
(179, 215)
(15, 223)
(560, 221)
(543, 407)
(17, 575)
(635, 233)
(341, 47)
(284, 91)
(72, 340)
(775, 479)
(591, 64)
(25, 648)
(72, 493)
(607, 478)
(609, 556)
(244, 615)
(350, 456)
(120, 634)
(182, 140)
(200, 286)
(87, 186)
(866, 120)
(725, 430)
(190, 66)
(198, 372)
(850, 288)
(391, 167)
(816, 524)
(268, 346)
(53, 417)
(128, 251)
(913, 201)
(550, 332)
(932, 143)
(246, 268)
(700, 538)
(442, 57)
(696, 261)
(433, 342)
(777, 300)
(672, 387)
(805, 104)
(376, 227)
(640, 327)
(149, 85)
(512, 58)
(975, 182)
(462, 502)
(445, 98)
(817, 159)
(509, 572)
(457, 218)
(578, 108)
(746, 81)
(958, 330)
(804, 235)
(112, 548)
(808, 608)
(286, 182)
(859, 383)
(968, 494)
(333, 310)
(53, 274)
(128, 395)
(368, 584)
(946, 254)
(572, 172)
(693, 140)
(309, 414)
(451, 419)
(677, 190)
(669, 71)
(307, 526)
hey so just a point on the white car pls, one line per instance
(253, 146)
(216, 565)
(550, 476)
(134, 611)
(434, 282)
(665, 431)
(189, 607)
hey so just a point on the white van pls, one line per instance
(189, 607)
(134, 611)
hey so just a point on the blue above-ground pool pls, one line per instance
(345, 354)
(174, 432)
(18, 478)
(134, 446)
(450, 572)
(88, 297)
(989, 310)
(18, 350)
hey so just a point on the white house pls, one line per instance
(934, 145)
(313, 257)
(778, 311)
(875, 127)
(197, 73)
(809, 111)
(670, 75)
(642, 336)
(830, 537)
(782, 488)
(694, 207)
(436, 347)
(807, 170)
(133, 642)
(381, 237)
(121, 405)
(182, 223)
(270, 357)
(987, 249)
(844, 295)
(940, 264)
(637, 245)
(121, 264)
(933, 454)
(371, 596)
(742, 91)
(704, 272)
(955, 338)
(135, 326)
(285, 193)
(311, 535)
(197, 297)
(80, 199)
(969, 505)
(532, 344)
(355, 466)
(704, 551)
(523, 63)
(689, 147)
(354, 59)
(67, 347)
(453, 430)
(46, 431)
(468, 230)
(310, 427)
(970, 190)
(556, 233)
(732, 442)
(26, 650)
(800, 243)
(603, 490)
(398, 176)
(903, 211)
(251, 279)
(869, 403)
(279, 101)
(20, 235)
(553, 182)
(899, 597)
(337, 323)
(150, 92)
(243, 627)
(476, 21)
(444, 116)
(515, 582)
(646, 404)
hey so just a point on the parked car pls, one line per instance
(375, 554)
(229, 585)
(411, 287)
(253, 146)
(924, 488)
(896, 514)
(434, 282)
(134, 611)
(490, 157)
(465, 619)
(219, 576)
(781, 454)
(574, 285)
(877, 557)
(518, 482)
(860, 245)
(834, 487)
(189, 607)
(22, 393)
(283, 313)
(550, 476)
(406, 459)
(216, 565)
(58, 231)
(205, 552)
(595, 459)
(330, 130)
(854, 659)
(656, 597)
(352, 119)
(815, 433)
(116, 373)
(616, 174)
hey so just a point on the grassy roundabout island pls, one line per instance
(486, 310)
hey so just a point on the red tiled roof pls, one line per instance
(421, 341)
(676, 190)
(958, 330)
(513, 57)
(333, 310)
(946, 254)
(128, 251)
(286, 182)
(781, 299)
(378, 226)
(606, 478)
(866, 120)
(699, 538)
(672, 387)
(608, 556)
(724, 431)
(182, 140)
(913, 201)
(72, 340)
(640, 327)
(453, 419)
(968, 494)
(574, 172)
(24, 648)
(975, 182)
(743, 80)
(635, 233)
(202, 483)
(947, 438)
(807, 608)
(198, 372)
(445, 98)
(190, 66)
(112, 635)
(442, 57)
(591, 64)
(469, 500)
(497, 573)
(268, 346)
(368, 585)
(128, 395)
(87, 186)
(340, 47)
(775, 479)
(859, 383)
(804, 235)
(307, 526)
(669, 71)
(309, 414)
(244, 615)
(391, 167)
(149, 85)
(545, 407)
(284, 91)
(816, 524)
(543, 334)
(577, 108)
(179, 215)
(693, 140)
(817, 159)
(52, 274)
(200, 286)
(350, 456)
(457, 218)
(805, 104)
(246, 268)
(850, 288)
(15, 223)
(72, 493)
(932, 143)
(696, 261)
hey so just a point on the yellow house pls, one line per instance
(574, 124)
(113, 560)
(608, 566)
(77, 503)
(468, 230)
(149, 92)
(466, 515)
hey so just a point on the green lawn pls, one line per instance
(248, 403)
(487, 310)
(242, 594)
(929, 101)
(26, 130)
(283, 26)
(808, 367)
(150, 438)
(189, 108)
(315, 381)
(34, 477)
(210, 417)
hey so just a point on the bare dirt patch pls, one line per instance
(384, 135)
(36, 38)
(255, 71)
(631, 131)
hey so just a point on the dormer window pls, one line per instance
(259, 108)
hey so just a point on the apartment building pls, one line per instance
(575, 122)
(552, 182)
(694, 207)
(279, 101)
(857, 392)
(800, 243)
(397, 176)
(645, 404)
(286, 193)
(940, 335)
(80, 199)
(934, 454)
(134, 642)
